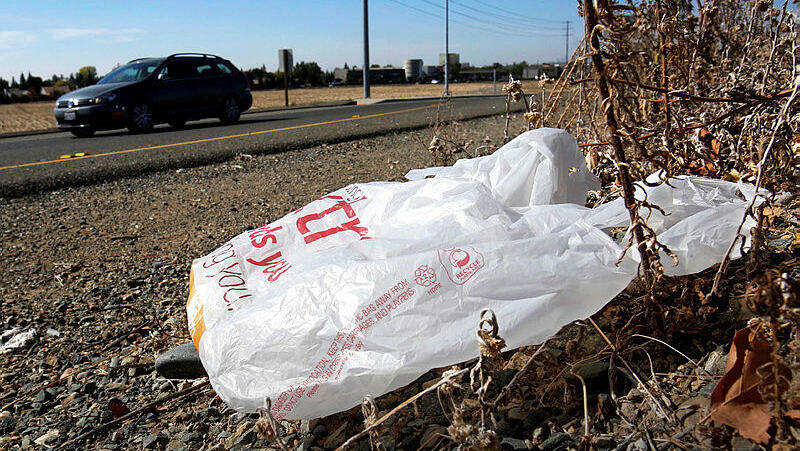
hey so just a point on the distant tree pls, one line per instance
(34, 85)
(14, 83)
(345, 66)
(308, 73)
(374, 65)
(3, 83)
(87, 75)
(515, 68)
(23, 84)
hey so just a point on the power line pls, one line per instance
(516, 19)
(500, 26)
(516, 14)
(481, 26)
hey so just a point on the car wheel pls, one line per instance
(177, 123)
(230, 110)
(141, 118)
(82, 132)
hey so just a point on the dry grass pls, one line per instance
(39, 115)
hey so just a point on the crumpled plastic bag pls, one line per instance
(367, 288)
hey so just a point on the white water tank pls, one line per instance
(413, 68)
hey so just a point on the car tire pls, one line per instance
(82, 132)
(141, 118)
(177, 124)
(230, 110)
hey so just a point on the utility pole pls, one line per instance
(566, 46)
(366, 51)
(447, 48)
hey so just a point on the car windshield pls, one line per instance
(130, 72)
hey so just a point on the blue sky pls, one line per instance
(47, 37)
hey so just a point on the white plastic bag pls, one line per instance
(365, 289)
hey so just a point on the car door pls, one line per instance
(209, 86)
(176, 88)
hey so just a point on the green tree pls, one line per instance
(87, 75)
(22, 83)
(308, 73)
(34, 85)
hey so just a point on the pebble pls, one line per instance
(513, 444)
(48, 437)
(555, 440)
(153, 441)
(14, 339)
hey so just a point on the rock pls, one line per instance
(190, 437)
(592, 370)
(705, 390)
(638, 445)
(7, 425)
(41, 396)
(180, 362)
(305, 444)
(247, 438)
(555, 440)
(739, 443)
(319, 430)
(336, 438)
(509, 443)
(48, 438)
(244, 435)
(16, 339)
(783, 198)
(153, 441)
(176, 445)
(603, 442)
(52, 332)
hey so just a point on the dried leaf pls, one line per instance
(735, 400)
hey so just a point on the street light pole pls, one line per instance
(366, 51)
(446, 48)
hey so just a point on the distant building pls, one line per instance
(15, 92)
(539, 71)
(453, 60)
(377, 75)
(413, 68)
(483, 74)
(54, 90)
(431, 71)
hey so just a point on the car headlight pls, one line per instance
(106, 98)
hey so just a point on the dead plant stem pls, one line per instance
(726, 258)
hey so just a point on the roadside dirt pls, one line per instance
(101, 273)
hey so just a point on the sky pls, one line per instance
(46, 37)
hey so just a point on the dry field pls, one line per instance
(39, 115)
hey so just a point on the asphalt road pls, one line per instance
(34, 163)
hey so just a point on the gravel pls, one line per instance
(100, 273)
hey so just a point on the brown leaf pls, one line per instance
(735, 400)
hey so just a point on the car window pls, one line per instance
(207, 70)
(224, 69)
(130, 72)
(179, 69)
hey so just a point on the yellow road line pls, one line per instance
(218, 138)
